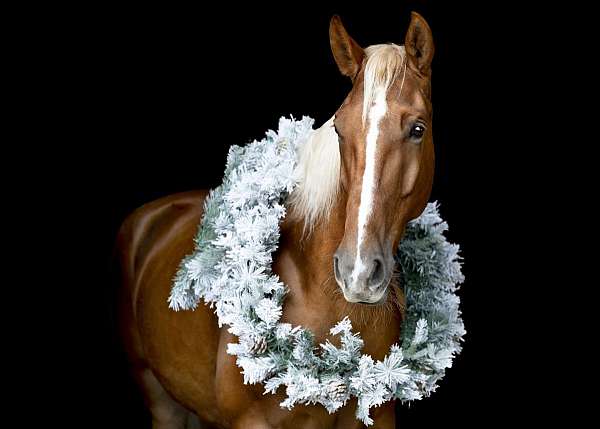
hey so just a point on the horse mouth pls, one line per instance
(380, 301)
(373, 304)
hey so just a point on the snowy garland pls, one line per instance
(231, 271)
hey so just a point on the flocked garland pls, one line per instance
(231, 271)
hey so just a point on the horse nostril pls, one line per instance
(336, 268)
(377, 274)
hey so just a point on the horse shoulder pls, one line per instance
(135, 240)
(179, 347)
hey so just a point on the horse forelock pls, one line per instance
(384, 64)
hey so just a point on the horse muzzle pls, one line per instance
(363, 280)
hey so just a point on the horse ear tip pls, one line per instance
(417, 17)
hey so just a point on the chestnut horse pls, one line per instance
(362, 176)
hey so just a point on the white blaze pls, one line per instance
(376, 113)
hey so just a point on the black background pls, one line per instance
(159, 93)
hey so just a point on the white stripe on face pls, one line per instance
(376, 113)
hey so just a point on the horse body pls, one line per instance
(179, 358)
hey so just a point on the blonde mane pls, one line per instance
(318, 175)
(318, 170)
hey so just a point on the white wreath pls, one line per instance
(231, 271)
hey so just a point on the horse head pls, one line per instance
(384, 133)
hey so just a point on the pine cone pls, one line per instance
(337, 390)
(259, 345)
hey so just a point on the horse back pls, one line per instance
(142, 230)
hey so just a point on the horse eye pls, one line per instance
(417, 131)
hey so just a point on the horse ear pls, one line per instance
(347, 53)
(419, 43)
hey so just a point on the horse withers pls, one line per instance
(362, 176)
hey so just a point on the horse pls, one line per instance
(362, 175)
